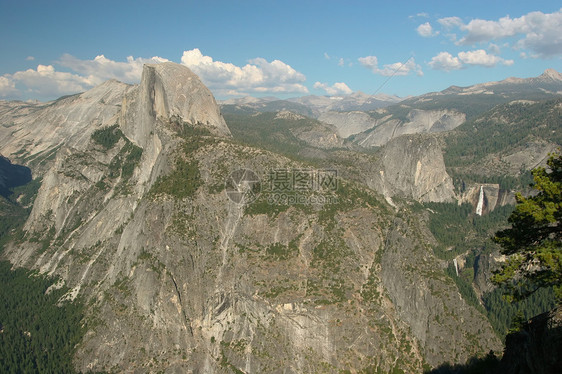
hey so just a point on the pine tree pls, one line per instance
(534, 240)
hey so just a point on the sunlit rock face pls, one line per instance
(194, 282)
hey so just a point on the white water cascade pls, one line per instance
(480, 204)
(456, 266)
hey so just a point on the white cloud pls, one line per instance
(494, 49)
(30, 58)
(42, 83)
(259, 76)
(420, 15)
(101, 68)
(7, 86)
(369, 61)
(326, 56)
(338, 88)
(452, 37)
(535, 31)
(341, 62)
(426, 30)
(445, 61)
(397, 68)
(482, 58)
(450, 22)
(46, 83)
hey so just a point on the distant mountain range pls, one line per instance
(311, 105)
(373, 120)
(483, 95)
(473, 100)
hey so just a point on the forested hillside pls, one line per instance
(492, 147)
(38, 331)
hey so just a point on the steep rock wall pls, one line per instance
(194, 282)
(418, 122)
(413, 167)
(168, 90)
(493, 196)
(31, 132)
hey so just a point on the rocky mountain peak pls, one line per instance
(169, 90)
(551, 74)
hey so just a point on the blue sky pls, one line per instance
(276, 48)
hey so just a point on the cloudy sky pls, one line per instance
(276, 48)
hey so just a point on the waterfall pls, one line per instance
(480, 204)
(456, 266)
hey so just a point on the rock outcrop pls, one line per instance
(179, 278)
(536, 348)
(413, 167)
(417, 122)
(348, 123)
(493, 197)
(168, 90)
(32, 131)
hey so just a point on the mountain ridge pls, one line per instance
(137, 220)
(360, 101)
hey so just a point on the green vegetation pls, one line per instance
(263, 206)
(280, 251)
(266, 132)
(15, 209)
(124, 163)
(501, 313)
(506, 182)
(12, 218)
(504, 127)
(38, 333)
(488, 364)
(458, 229)
(348, 195)
(107, 137)
(534, 240)
(182, 182)
(186, 130)
(464, 284)
(185, 178)
(369, 292)
(25, 194)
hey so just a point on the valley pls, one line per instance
(365, 249)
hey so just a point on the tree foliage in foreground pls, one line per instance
(38, 333)
(534, 240)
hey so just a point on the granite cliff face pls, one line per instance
(179, 278)
(166, 91)
(348, 123)
(492, 197)
(376, 131)
(413, 167)
(32, 131)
